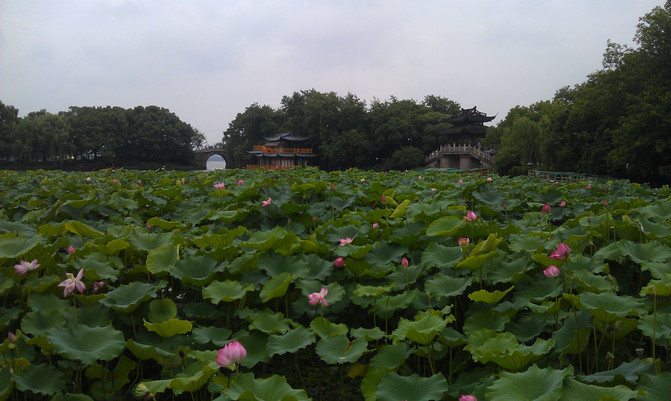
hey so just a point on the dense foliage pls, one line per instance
(344, 131)
(616, 123)
(83, 133)
(342, 285)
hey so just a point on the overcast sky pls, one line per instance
(208, 60)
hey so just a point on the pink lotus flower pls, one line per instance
(24, 267)
(468, 398)
(589, 186)
(374, 225)
(331, 186)
(405, 263)
(463, 241)
(266, 202)
(319, 297)
(11, 337)
(459, 181)
(71, 250)
(88, 179)
(240, 182)
(551, 271)
(545, 208)
(489, 179)
(345, 241)
(470, 216)
(115, 181)
(383, 199)
(561, 253)
(562, 203)
(339, 263)
(363, 179)
(231, 354)
(139, 182)
(420, 177)
(72, 283)
(219, 185)
(434, 189)
(97, 286)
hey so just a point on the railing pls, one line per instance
(256, 166)
(271, 149)
(478, 152)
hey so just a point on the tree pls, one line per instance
(9, 117)
(248, 129)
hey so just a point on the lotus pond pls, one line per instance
(345, 285)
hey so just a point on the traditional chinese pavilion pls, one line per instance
(283, 151)
(468, 126)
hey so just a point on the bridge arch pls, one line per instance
(201, 156)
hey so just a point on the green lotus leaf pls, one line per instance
(491, 197)
(277, 239)
(370, 291)
(149, 241)
(164, 224)
(198, 270)
(339, 349)
(423, 329)
(256, 344)
(628, 371)
(571, 341)
(217, 335)
(371, 381)
(446, 226)
(489, 297)
(162, 259)
(161, 310)
(385, 253)
(16, 227)
(400, 209)
(510, 271)
(7, 316)
(530, 244)
(534, 384)
(274, 388)
(442, 285)
(126, 298)
(503, 349)
(441, 256)
(12, 246)
(276, 286)
(485, 319)
(81, 229)
(368, 334)
(657, 387)
(323, 328)
(474, 262)
(653, 251)
(87, 344)
(40, 302)
(101, 266)
(153, 386)
(41, 321)
(661, 323)
(226, 291)
(5, 284)
(40, 379)
(291, 341)
(391, 356)
(115, 246)
(229, 216)
(353, 251)
(195, 376)
(394, 387)
(576, 391)
(609, 307)
(276, 264)
(387, 305)
(270, 323)
(487, 246)
(221, 240)
(590, 282)
(146, 351)
(170, 327)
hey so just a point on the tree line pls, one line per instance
(616, 123)
(88, 133)
(344, 131)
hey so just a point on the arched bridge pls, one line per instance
(460, 156)
(200, 156)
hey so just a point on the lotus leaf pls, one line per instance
(489, 297)
(576, 391)
(276, 287)
(270, 323)
(534, 384)
(81, 229)
(608, 307)
(423, 329)
(657, 387)
(661, 323)
(441, 256)
(127, 298)
(274, 388)
(40, 379)
(170, 327)
(291, 341)
(12, 246)
(87, 344)
(445, 226)
(442, 285)
(323, 328)
(195, 376)
(340, 350)
(226, 291)
(368, 334)
(394, 387)
(391, 356)
(198, 270)
(162, 259)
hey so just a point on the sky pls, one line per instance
(208, 60)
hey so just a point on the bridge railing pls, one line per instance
(478, 152)
(271, 149)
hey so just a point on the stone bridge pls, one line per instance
(200, 156)
(460, 156)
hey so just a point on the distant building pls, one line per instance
(468, 126)
(282, 152)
